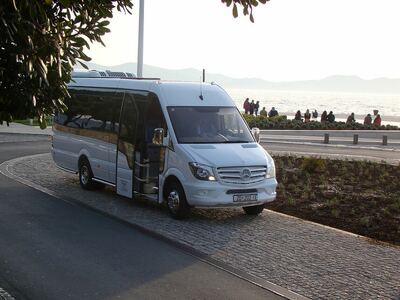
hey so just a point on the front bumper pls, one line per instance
(217, 194)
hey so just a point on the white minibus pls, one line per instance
(183, 143)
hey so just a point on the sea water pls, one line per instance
(342, 104)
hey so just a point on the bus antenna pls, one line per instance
(201, 90)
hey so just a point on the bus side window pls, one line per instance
(127, 132)
(155, 118)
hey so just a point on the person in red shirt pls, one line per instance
(246, 106)
(378, 120)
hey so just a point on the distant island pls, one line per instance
(338, 83)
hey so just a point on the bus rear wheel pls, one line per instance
(176, 201)
(86, 175)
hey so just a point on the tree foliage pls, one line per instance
(41, 41)
(247, 6)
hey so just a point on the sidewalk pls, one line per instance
(16, 128)
(372, 139)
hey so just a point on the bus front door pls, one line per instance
(149, 158)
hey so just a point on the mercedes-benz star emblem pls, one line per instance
(245, 174)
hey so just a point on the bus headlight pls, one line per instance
(270, 170)
(202, 172)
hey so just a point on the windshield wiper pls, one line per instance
(230, 142)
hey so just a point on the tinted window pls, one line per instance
(92, 109)
(209, 125)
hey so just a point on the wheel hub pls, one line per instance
(173, 200)
(84, 175)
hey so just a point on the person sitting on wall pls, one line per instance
(331, 117)
(263, 112)
(378, 120)
(350, 119)
(324, 117)
(307, 116)
(297, 116)
(368, 120)
(273, 112)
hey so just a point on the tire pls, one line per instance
(176, 201)
(86, 176)
(253, 210)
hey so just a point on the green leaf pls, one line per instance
(235, 11)
(83, 65)
(65, 3)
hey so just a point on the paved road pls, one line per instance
(310, 142)
(52, 249)
(337, 152)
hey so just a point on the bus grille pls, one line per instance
(242, 175)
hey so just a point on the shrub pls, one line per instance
(313, 165)
(282, 122)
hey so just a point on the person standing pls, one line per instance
(331, 117)
(256, 107)
(246, 106)
(297, 116)
(368, 120)
(307, 116)
(378, 120)
(315, 114)
(252, 104)
(324, 117)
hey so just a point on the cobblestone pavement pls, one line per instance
(5, 296)
(312, 260)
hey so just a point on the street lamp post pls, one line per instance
(140, 40)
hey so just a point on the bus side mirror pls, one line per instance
(256, 133)
(158, 136)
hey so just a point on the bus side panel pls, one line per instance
(65, 150)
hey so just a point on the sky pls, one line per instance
(290, 39)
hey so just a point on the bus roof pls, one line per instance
(171, 93)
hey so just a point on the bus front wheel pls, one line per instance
(176, 201)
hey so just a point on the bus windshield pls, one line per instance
(209, 125)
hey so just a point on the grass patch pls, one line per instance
(357, 196)
(35, 121)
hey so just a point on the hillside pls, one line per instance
(329, 84)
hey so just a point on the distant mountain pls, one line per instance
(329, 84)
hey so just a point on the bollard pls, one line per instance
(355, 139)
(326, 138)
(30, 122)
(384, 140)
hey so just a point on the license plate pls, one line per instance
(245, 198)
